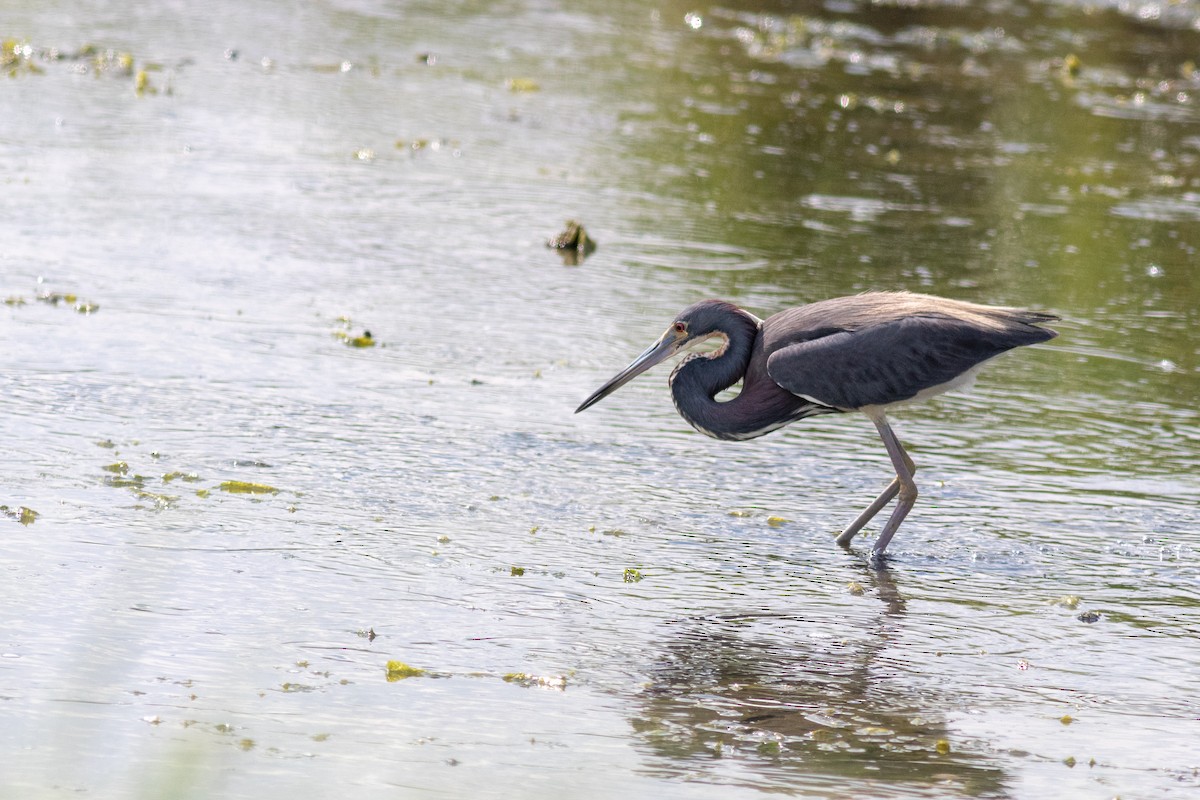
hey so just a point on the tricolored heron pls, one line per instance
(868, 353)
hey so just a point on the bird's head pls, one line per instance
(693, 325)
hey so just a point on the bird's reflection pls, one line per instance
(809, 691)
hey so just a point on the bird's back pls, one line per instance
(859, 311)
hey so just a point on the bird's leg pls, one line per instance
(869, 513)
(885, 496)
(907, 488)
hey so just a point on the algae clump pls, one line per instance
(398, 671)
(246, 487)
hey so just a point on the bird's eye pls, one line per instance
(680, 327)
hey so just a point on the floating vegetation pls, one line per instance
(542, 681)
(771, 747)
(522, 85)
(54, 299)
(632, 575)
(159, 500)
(573, 244)
(1089, 617)
(430, 145)
(123, 482)
(942, 747)
(855, 588)
(111, 61)
(346, 337)
(21, 514)
(19, 58)
(327, 68)
(246, 487)
(517, 572)
(16, 58)
(776, 522)
(121, 475)
(1071, 65)
(289, 687)
(141, 84)
(1068, 601)
(398, 671)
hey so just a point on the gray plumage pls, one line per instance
(887, 347)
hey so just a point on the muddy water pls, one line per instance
(242, 518)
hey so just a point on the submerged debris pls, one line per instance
(573, 244)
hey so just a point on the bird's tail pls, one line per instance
(1035, 317)
(1022, 324)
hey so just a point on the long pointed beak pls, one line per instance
(667, 345)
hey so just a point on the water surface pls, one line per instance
(602, 603)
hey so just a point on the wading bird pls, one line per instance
(868, 353)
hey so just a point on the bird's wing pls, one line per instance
(889, 362)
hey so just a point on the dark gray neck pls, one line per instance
(699, 378)
(760, 407)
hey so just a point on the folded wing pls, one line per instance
(896, 360)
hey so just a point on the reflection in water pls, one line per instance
(808, 693)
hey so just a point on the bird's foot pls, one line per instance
(878, 559)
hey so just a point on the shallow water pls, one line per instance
(599, 602)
